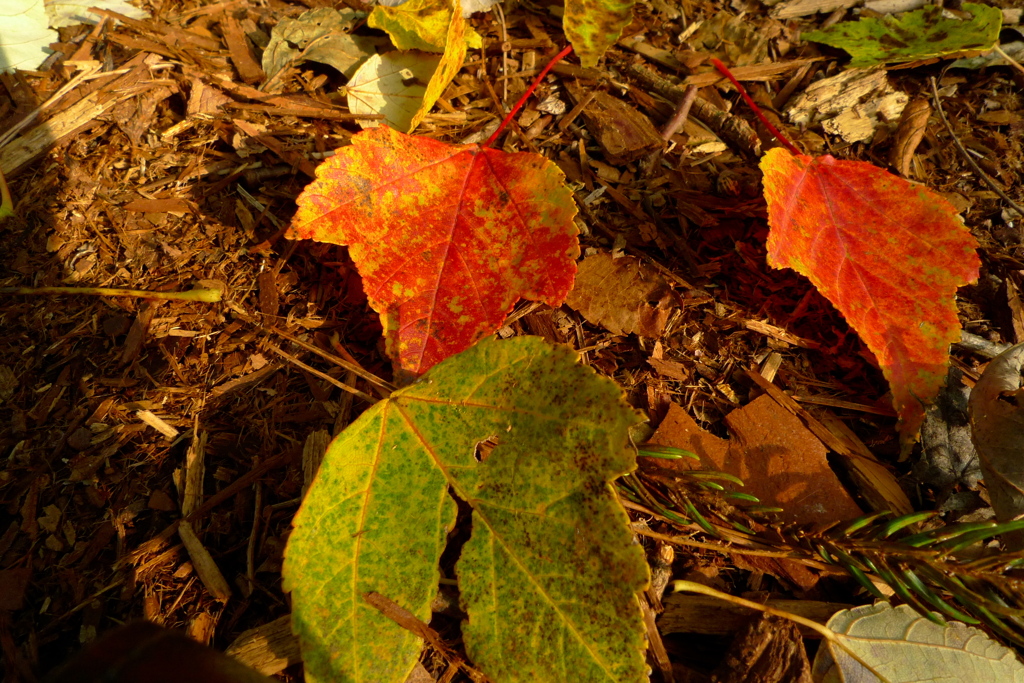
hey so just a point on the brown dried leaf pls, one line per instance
(997, 421)
(779, 567)
(622, 132)
(623, 295)
(779, 460)
(909, 133)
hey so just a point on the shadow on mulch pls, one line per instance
(86, 481)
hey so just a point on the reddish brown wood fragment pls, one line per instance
(241, 54)
(168, 205)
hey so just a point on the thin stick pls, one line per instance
(339, 361)
(413, 624)
(757, 110)
(6, 203)
(1013, 62)
(682, 113)
(504, 53)
(980, 345)
(966, 155)
(205, 295)
(529, 91)
(825, 632)
(160, 540)
(322, 375)
(726, 549)
(691, 587)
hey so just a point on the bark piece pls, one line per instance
(803, 8)
(270, 648)
(13, 584)
(851, 104)
(241, 54)
(779, 460)
(195, 473)
(948, 457)
(768, 650)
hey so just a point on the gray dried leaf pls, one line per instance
(319, 35)
(948, 457)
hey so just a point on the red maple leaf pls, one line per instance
(446, 237)
(887, 253)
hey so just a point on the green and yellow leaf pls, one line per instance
(529, 440)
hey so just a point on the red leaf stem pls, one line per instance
(753, 105)
(529, 91)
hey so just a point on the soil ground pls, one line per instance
(188, 180)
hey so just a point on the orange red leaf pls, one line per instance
(887, 253)
(446, 237)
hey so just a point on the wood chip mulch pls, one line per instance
(162, 165)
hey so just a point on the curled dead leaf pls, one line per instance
(909, 133)
(623, 295)
(997, 422)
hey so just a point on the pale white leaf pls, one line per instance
(24, 35)
(391, 84)
(898, 645)
(70, 12)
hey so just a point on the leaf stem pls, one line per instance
(824, 631)
(691, 587)
(753, 105)
(6, 203)
(204, 295)
(529, 91)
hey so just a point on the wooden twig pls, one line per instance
(413, 624)
(504, 56)
(966, 155)
(231, 490)
(204, 295)
(1013, 62)
(980, 345)
(322, 375)
(725, 125)
(340, 362)
(681, 114)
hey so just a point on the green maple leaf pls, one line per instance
(922, 34)
(592, 26)
(530, 440)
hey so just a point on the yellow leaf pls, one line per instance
(451, 62)
(419, 25)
